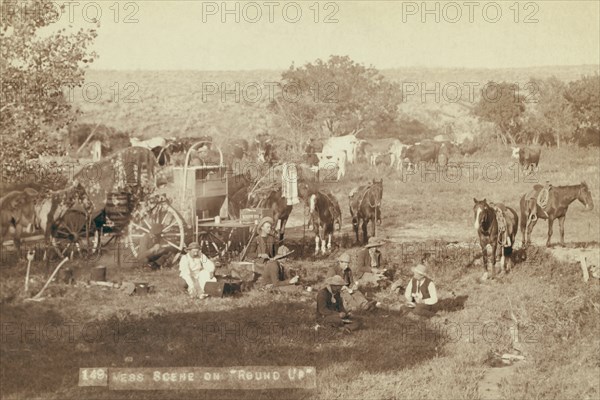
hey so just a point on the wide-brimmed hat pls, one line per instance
(374, 242)
(335, 280)
(263, 221)
(282, 252)
(193, 245)
(420, 269)
(156, 229)
(345, 257)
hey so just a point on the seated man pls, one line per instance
(368, 272)
(152, 252)
(353, 299)
(420, 292)
(195, 269)
(263, 246)
(272, 273)
(330, 306)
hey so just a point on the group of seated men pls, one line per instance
(342, 291)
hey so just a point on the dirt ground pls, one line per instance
(101, 327)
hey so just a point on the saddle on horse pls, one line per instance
(503, 237)
(540, 194)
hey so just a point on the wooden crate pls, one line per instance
(253, 215)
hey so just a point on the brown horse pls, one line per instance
(324, 212)
(62, 207)
(365, 203)
(281, 210)
(559, 199)
(17, 214)
(488, 230)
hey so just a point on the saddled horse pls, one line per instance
(17, 214)
(62, 207)
(365, 204)
(559, 199)
(324, 212)
(494, 232)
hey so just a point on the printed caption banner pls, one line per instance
(182, 378)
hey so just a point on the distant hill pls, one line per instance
(182, 103)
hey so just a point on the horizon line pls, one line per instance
(380, 69)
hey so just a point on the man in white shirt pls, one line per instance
(420, 292)
(195, 269)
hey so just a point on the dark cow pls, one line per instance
(422, 152)
(528, 157)
(265, 149)
(313, 146)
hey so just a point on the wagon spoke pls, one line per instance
(171, 243)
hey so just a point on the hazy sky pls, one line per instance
(179, 34)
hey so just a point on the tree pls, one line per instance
(337, 97)
(502, 105)
(584, 97)
(36, 72)
(549, 116)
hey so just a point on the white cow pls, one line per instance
(397, 149)
(349, 143)
(331, 161)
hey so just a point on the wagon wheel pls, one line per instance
(69, 235)
(173, 228)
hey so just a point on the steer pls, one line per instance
(528, 157)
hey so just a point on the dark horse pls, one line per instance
(365, 203)
(559, 199)
(488, 230)
(324, 212)
(281, 210)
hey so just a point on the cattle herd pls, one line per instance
(328, 159)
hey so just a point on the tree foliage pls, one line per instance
(338, 97)
(502, 105)
(584, 97)
(37, 70)
(549, 117)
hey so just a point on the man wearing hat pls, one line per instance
(353, 299)
(151, 252)
(264, 246)
(368, 272)
(272, 272)
(421, 293)
(195, 269)
(330, 306)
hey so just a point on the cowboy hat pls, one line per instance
(345, 257)
(420, 269)
(335, 280)
(282, 252)
(373, 242)
(263, 221)
(193, 245)
(156, 229)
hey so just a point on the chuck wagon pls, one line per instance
(200, 194)
(115, 197)
(130, 194)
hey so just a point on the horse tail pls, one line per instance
(524, 213)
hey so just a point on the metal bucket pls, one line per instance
(142, 288)
(98, 274)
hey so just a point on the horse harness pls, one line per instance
(541, 198)
(368, 190)
(503, 238)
